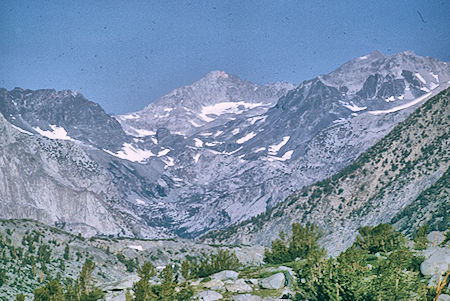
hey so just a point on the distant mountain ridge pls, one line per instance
(221, 150)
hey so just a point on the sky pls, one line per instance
(126, 54)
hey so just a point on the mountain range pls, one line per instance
(223, 150)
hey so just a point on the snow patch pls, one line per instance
(140, 202)
(226, 108)
(420, 77)
(56, 133)
(218, 133)
(198, 142)
(194, 123)
(391, 98)
(205, 134)
(213, 143)
(143, 133)
(425, 89)
(246, 138)
(163, 152)
(168, 109)
(257, 118)
(407, 105)
(259, 149)
(433, 86)
(436, 77)
(196, 157)
(168, 161)
(273, 149)
(401, 97)
(130, 153)
(22, 130)
(138, 247)
(235, 151)
(354, 108)
(235, 131)
(364, 57)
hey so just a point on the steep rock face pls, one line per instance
(381, 183)
(56, 182)
(64, 115)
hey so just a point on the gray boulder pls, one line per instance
(435, 238)
(246, 297)
(214, 284)
(437, 261)
(273, 282)
(444, 297)
(209, 296)
(225, 275)
(239, 286)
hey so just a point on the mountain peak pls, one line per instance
(216, 74)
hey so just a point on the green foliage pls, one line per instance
(129, 263)
(145, 291)
(302, 244)
(420, 239)
(357, 274)
(209, 264)
(66, 252)
(381, 238)
(168, 284)
(52, 291)
(20, 297)
(186, 293)
(446, 239)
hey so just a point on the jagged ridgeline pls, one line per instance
(404, 176)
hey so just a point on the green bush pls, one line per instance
(302, 244)
(381, 238)
(209, 264)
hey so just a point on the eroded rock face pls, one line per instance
(276, 281)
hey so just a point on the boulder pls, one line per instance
(253, 281)
(437, 261)
(273, 282)
(435, 238)
(225, 275)
(239, 286)
(214, 284)
(246, 297)
(444, 297)
(209, 296)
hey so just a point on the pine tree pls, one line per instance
(20, 297)
(143, 289)
(52, 291)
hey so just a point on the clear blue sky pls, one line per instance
(125, 54)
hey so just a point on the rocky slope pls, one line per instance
(33, 253)
(378, 185)
(217, 152)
